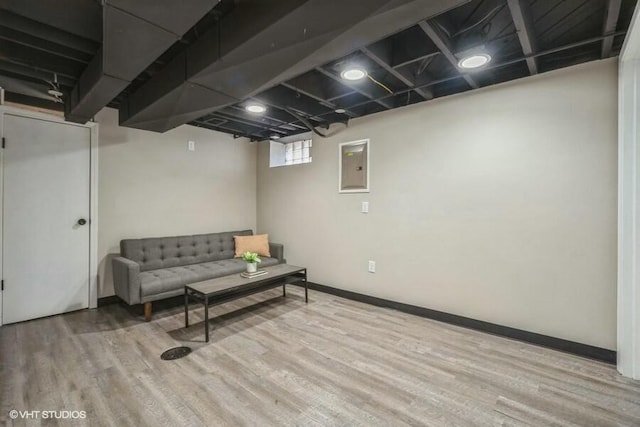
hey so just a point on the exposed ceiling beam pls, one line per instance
(342, 95)
(19, 98)
(494, 66)
(498, 65)
(241, 116)
(210, 120)
(490, 67)
(444, 45)
(46, 32)
(250, 123)
(266, 43)
(227, 127)
(293, 125)
(425, 93)
(26, 87)
(34, 58)
(610, 24)
(355, 86)
(283, 98)
(524, 26)
(582, 13)
(282, 118)
(286, 107)
(46, 46)
(37, 74)
(80, 17)
(319, 87)
(428, 56)
(325, 102)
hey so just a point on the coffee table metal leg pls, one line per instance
(306, 296)
(284, 290)
(186, 308)
(206, 319)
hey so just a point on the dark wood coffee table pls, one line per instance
(227, 288)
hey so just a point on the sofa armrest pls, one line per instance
(277, 251)
(126, 279)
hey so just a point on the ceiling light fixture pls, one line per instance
(341, 111)
(275, 136)
(256, 108)
(474, 61)
(354, 73)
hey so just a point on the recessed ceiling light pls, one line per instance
(476, 60)
(256, 108)
(341, 111)
(354, 73)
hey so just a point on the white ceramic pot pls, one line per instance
(252, 267)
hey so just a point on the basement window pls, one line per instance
(290, 153)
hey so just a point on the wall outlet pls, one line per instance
(192, 146)
(372, 266)
(365, 207)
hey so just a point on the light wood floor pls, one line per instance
(275, 361)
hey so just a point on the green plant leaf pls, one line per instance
(251, 257)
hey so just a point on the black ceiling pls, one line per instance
(416, 63)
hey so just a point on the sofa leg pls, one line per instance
(147, 311)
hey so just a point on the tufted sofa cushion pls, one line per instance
(169, 252)
(157, 282)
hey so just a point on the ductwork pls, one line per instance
(261, 44)
(135, 34)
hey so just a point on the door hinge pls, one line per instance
(3, 141)
(1, 285)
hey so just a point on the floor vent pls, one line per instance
(175, 353)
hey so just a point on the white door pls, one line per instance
(45, 218)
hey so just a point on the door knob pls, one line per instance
(82, 221)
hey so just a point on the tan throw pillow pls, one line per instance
(258, 244)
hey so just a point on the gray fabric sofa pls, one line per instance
(148, 270)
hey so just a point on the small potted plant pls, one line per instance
(252, 259)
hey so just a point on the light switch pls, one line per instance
(192, 146)
(365, 207)
(372, 266)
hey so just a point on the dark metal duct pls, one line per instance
(260, 44)
(135, 33)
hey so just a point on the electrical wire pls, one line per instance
(489, 15)
(443, 28)
(306, 122)
(379, 84)
(424, 64)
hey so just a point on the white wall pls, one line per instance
(498, 204)
(150, 185)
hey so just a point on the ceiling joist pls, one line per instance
(356, 87)
(327, 103)
(610, 24)
(425, 93)
(427, 57)
(273, 117)
(406, 46)
(444, 45)
(524, 26)
(46, 33)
